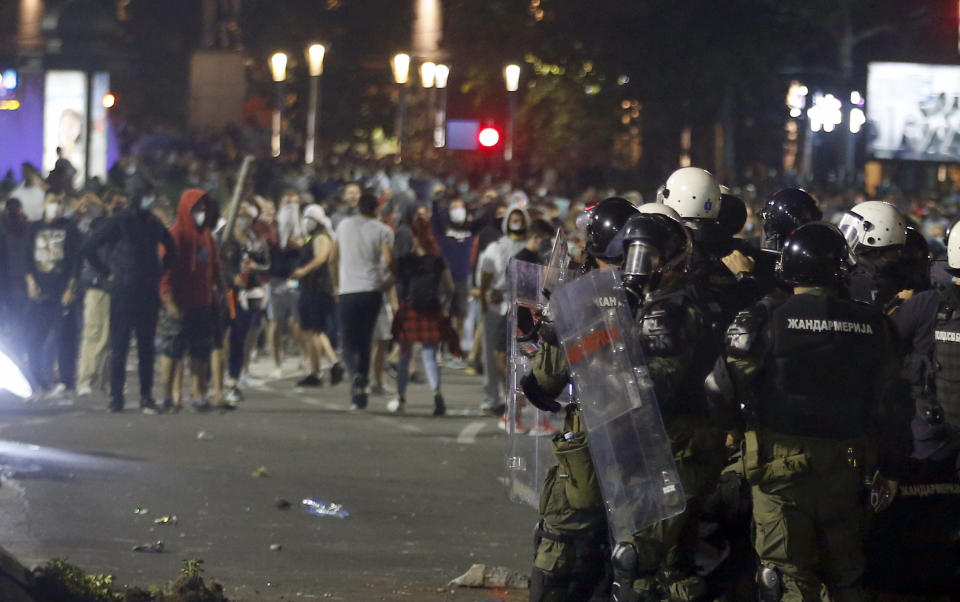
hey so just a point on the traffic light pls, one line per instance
(488, 137)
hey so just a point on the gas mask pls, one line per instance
(641, 271)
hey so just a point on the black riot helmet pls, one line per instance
(733, 214)
(815, 254)
(653, 244)
(603, 225)
(784, 212)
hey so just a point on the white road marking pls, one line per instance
(468, 436)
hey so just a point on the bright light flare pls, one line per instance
(826, 113)
(511, 75)
(12, 378)
(441, 75)
(428, 74)
(278, 66)
(401, 68)
(857, 119)
(109, 101)
(315, 55)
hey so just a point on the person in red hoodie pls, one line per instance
(187, 293)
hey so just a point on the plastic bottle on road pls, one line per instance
(321, 508)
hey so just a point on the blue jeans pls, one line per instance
(239, 328)
(47, 320)
(428, 353)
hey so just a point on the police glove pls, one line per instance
(882, 492)
(537, 396)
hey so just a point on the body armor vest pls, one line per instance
(946, 359)
(823, 355)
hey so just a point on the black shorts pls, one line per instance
(458, 302)
(193, 333)
(316, 313)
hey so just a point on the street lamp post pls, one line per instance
(401, 73)
(440, 123)
(511, 75)
(428, 75)
(315, 55)
(278, 68)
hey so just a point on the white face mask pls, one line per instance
(458, 215)
(199, 219)
(52, 211)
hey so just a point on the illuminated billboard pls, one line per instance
(65, 120)
(914, 111)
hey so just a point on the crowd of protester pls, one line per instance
(350, 267)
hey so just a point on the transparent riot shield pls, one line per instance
(529, 452)
(628, 443)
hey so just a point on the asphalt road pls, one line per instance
(424, 493)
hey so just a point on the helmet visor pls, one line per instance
(641, 260)
(583, 219)
(850, 226)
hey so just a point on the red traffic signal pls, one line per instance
(488, 137)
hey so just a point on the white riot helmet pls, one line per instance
(873, 225)
(953, 249)
(660, 209)
(693, 193)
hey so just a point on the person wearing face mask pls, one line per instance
(283, 296)
(455, 235)
(318, 281)
(493, 289)
(187, 293)
(51, 278)
(131, 275)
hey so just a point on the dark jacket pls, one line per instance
(131, 239)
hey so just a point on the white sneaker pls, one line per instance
(84, 391)
(396, 405)
(234, 395)
(57, 391)
(250, 381)
(277, 374)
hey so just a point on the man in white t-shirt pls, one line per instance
(365, 251)
(31, 191)
(493, 291)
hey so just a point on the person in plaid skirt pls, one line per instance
(421, 272)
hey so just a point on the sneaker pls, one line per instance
(396, 405)
(543, 428)
(234, 395)
(250, 381)
(358, 402)
(312, 380)
(57, 391)
(455, 363)
(200, 405)
(379, 389)
(115, 408)
(492, 409)
(225, 405)
(336, 374)
(84, 391)
(277, 374)
(518, 426)
(149, 408)
(168, 406)
(439, 408)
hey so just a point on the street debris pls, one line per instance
(140, 511)
(481, 575)
(204, 436)
(166, 520)
(281, 503)
(260, 473)
(150, 547)
(321, 508)
(275, 547)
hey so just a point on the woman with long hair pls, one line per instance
(421, 319)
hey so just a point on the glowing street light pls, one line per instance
(428, 72)
(511, 76)
(826, 113)
(315, 54)
(440, 119)
(401, 73)
(278, 68)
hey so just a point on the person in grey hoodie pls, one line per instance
(493, 291)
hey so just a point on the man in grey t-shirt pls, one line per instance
(365, 250)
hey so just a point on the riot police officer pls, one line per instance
(815, 369)
(876, 232)
(695, 195)
(572, 551)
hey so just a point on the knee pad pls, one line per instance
(625, 562)
(770, 584)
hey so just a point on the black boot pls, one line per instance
(439, 408)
